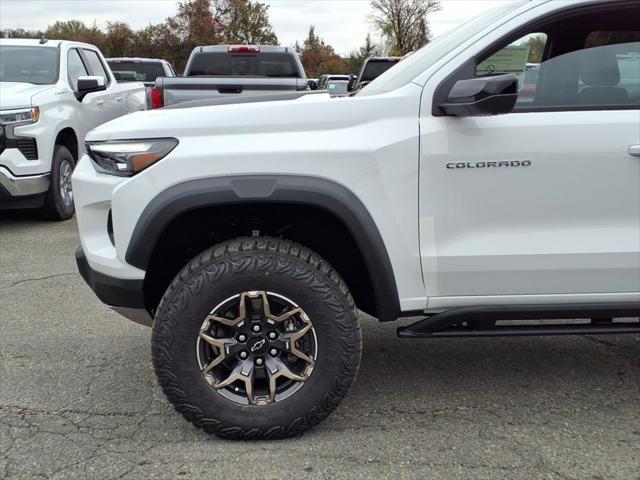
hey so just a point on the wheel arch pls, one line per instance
(68, 138)
(260, 190)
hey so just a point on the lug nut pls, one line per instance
(256, 328)
(272, 335)
(243, 355)
(242, 338)
(259, 361)
(273, 352)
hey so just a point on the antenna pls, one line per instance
(43, 40)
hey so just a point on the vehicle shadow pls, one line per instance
(454, 374)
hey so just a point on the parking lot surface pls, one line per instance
(79, 399)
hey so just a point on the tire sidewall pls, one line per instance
(329, 309)
(55, 205)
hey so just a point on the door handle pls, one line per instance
(634, 150)
(99, 102)
(118, 99)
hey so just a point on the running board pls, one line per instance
(481, 321)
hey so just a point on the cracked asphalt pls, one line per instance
(79, 399)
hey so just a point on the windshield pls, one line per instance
(136, 71)
(37, 65)
(223, 64)
(410, 68)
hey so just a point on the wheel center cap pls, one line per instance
(257, 345)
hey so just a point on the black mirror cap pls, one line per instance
(482, 96)
(313, 85)
(88, 85)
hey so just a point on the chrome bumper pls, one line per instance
(23, 186)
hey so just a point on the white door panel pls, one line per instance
(567, 224)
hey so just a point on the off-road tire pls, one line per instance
(251, 264)
(54, 207)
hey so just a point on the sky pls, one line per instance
(341, 23)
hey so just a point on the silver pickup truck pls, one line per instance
(230, 70)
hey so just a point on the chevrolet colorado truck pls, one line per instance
(232, 70)
(51, 94)
(248, 235)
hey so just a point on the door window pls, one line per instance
(571, 67)
(95, 65)
(75, 68)
(522, 58)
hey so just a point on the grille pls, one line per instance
(27, 147)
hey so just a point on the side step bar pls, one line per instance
(481, 321)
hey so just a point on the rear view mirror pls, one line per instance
(313, 85)
(88, 85)
(482, 96)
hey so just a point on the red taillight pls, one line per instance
(156, 98)
(244, 49)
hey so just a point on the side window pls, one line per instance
(95, 64)
(625, 46)
(603, 74)
(522, 58)
(75, 68)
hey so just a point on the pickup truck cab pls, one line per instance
(145, 70)
(324, 80)
(248, 235)
(233, 70)
(371, 69)
(51, 94)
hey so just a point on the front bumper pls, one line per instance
(124, 296)
(23, 186)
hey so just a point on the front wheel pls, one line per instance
(256, 338)
(58, 203)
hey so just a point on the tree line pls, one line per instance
(402, 26)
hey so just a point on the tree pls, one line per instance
(357, 57)
(319, 58)
(19, 33)
(247, 22)
(536, 46)
(119, 40)
(403, 23)
(76, 30)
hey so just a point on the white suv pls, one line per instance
(454, 187)
(51, 94)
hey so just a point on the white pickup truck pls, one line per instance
(51, 94)
(449, 188)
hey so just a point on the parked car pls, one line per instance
(231, 70)
(249, 235)
(338, 88)
(51, 94)
(324, 80)
(371, 69)
(145, 70)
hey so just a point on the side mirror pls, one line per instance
(88, 85)
(313, 85)
(482, 96)
(351, 86)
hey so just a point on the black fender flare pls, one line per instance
(301, 190)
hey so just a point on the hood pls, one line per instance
(19, 95)
(304, 114)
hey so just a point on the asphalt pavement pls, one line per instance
(79, 398)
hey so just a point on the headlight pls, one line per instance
(22, 116)
(128, 157)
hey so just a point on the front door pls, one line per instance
(544, 201)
